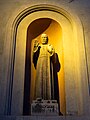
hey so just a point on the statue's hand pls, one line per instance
(51, 50)
(36, 45)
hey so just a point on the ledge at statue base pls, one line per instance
(44, 107)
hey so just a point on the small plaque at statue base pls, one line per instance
(44, 107)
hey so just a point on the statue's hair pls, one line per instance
(44, 35)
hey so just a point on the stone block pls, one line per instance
(44, 107)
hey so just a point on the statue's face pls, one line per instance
(44, 39)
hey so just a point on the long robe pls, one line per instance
(44, 83)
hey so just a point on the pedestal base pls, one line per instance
(44, 107)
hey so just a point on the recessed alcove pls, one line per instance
(54, 32)
(66, 34)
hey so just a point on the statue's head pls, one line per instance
(44, 38)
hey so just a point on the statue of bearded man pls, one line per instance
(44, 82)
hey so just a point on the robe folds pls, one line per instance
(44, 82)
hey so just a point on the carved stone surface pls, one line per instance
(1, 47)
(44, 107)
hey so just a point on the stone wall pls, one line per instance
(8, 12)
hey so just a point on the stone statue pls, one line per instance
(44, 82)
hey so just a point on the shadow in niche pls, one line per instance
(56, 68)
(36, 28)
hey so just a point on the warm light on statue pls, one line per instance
(44, 83)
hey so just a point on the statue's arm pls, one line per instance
(36, 50)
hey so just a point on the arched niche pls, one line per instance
(34, 31)
(73, 50)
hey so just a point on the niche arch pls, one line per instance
(73, 45)
(48, 26)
